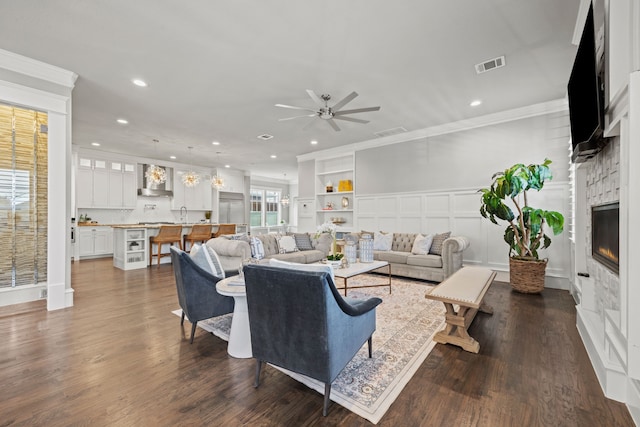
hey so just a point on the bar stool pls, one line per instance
(199, 233)
(168, 234)
(225, 229)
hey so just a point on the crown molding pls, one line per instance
(534, 110)
(34, 68)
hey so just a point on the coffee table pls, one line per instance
(240, 335)
(361, 268)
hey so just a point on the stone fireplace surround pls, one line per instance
(603, 186)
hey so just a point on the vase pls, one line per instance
(366, 248)
(334, 246)
(351, 251)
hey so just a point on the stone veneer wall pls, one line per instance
(603, 186)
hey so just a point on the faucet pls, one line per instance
(183, 218)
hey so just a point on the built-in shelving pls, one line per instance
(130, 248)
(333, 170)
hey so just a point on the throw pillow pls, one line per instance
(382, 241)
(303, 241)
(286, 244)
(422, 244)
(215, 261)
(302, 267)
(257, 249)
(438, 240)
(203, 259)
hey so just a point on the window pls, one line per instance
(265, 207)
(23, 196)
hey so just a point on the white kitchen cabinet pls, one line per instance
(105, 184)
(92, 183)
(122, 185)
(95, 241)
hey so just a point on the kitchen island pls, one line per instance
(131, 243)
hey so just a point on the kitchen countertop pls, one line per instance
(154, 225)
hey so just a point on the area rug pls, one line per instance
(405, 325)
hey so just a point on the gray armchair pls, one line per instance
(300, 322)
(197, 293)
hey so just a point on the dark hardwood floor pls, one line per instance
(120, 358)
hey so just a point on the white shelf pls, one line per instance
(334, 210)
(333, 172)
(335, 193)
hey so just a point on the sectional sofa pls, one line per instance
(309, 249)
(435, 266)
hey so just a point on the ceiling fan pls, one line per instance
(328, 113)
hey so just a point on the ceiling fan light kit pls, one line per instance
(327, 113)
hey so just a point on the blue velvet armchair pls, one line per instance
(197, 293)
(300, 322)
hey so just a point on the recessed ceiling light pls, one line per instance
(216, 143)
(265, 136)
(475, 103)
(273, 156)
(140, 83)
(172, 157)
(314, 142)
(95, 144)
(122, 121)
(227, 166)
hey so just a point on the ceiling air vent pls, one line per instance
(265, 136)
(389, 132)
(489, 65)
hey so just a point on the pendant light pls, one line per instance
(156, 175)
(190, 179)
(217, 181)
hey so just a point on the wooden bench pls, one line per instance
(465, 288)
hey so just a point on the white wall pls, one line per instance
(430, 185)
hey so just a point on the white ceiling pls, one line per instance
(216, 68)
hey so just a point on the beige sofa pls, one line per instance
(430, 267)
(232, 252)
(321, 248)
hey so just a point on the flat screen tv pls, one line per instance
(586, 97)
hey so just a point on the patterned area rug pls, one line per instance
(405, 325)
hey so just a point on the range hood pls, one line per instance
(154, 190)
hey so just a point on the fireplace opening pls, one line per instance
(605, 235)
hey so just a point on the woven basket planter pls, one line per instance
(527, 276)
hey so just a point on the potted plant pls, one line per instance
(525, 232)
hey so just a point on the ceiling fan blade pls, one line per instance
(296, 117)
(357, 110)
(295, 108)
(350, 119)
(347, 99)
(315, 98)
(333, 125)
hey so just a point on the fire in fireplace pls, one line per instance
(605, 234)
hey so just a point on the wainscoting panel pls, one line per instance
(365, 205)
(387, 205)
(408, 224)
(472, 229)
(437, 203)
(467, 202)
(411, 204)
(437, 224)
